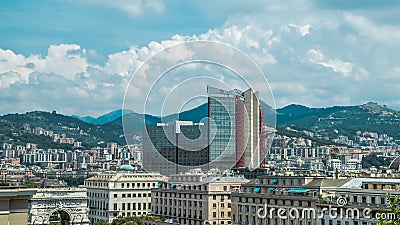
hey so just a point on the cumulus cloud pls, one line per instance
(336, 65)
(309, 56)
(303, 30)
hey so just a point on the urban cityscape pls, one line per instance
(194, 113)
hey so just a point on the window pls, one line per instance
(214, 214)
(123, 206)
(115, 206)
(214, 205)
(115, 195)
(123, 195)
(122, 185)
(214, 197)
(364, 199)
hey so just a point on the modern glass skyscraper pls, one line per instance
(236, 129)
(222, 127)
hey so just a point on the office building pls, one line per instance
(123, 193)
(196, 198)
(175, 147)
(237, 129)
(359, 201)
(258, 201)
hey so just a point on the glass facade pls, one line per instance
(222, 128)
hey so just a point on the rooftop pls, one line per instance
(356, 183)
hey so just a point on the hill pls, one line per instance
(325, 123)
(106, 118)
(19, 128)
(346, 120)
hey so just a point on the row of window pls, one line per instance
(137, 185)
(179, 202)
(133, 206)
(274, 201)
(268, 221)
(186, 213)
(221, 205)
(134, 195)
(222, 215)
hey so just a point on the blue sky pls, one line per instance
(77, 57)
(98, 25)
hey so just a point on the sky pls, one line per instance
(79, 57)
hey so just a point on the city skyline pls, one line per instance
(77, 58)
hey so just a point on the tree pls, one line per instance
(101, 222)
(30, 184)
(395, 208)
(130, 220)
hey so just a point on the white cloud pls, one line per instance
(64, 59)
(303, 30)
(301, 50)
(336, 65)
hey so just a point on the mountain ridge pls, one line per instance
(325, 123)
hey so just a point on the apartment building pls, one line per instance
(123, 193)
(196, 198)
(272, 199)
(358, 202)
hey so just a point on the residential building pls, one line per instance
(123, 193)
(196, 198)
(358, 202)
(261, 200)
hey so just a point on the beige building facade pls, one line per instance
(123, 193)
(196, 198)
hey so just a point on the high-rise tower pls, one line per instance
(236, 122)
